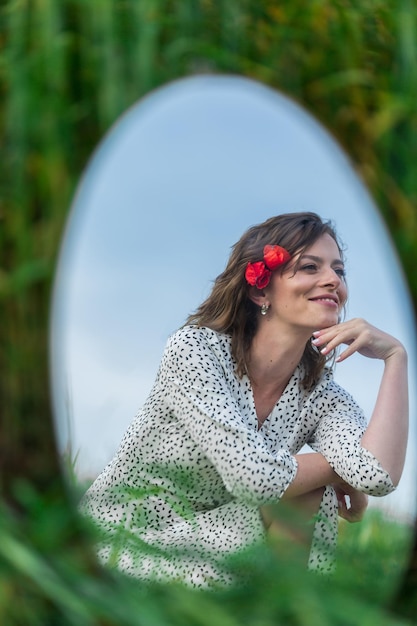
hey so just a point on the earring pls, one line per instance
(264, 308)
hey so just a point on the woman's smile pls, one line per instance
(330, 301)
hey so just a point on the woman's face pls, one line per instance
(313, 296)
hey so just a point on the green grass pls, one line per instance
(46, 577)
(374, 555)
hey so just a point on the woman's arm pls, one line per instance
(306, 490)
(313, 472)
(386, 435)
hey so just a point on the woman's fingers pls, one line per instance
(352, 503)
(359, 336)
(329, 339)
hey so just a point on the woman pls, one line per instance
(240, 389)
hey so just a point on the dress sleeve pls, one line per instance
(198, 393)
(338, 438)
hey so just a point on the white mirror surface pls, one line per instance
(171, 188)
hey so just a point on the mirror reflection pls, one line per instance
(173, 186)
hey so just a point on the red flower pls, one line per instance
(274, 256)
(257, 274)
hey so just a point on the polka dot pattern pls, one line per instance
(184, 489)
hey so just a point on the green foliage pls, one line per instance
(68, 69)
(373, 555)
(48, 577)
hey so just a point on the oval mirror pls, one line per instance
(175, 183)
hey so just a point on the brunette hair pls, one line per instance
(229, 309)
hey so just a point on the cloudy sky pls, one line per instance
(171, 188)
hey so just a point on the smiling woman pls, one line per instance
(240, 390)
(128, 278)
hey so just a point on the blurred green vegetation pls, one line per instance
(43, 582)
(68, 69)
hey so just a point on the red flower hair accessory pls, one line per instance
(258, 274)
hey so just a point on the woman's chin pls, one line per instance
(328, 322)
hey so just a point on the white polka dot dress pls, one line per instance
(184, 489)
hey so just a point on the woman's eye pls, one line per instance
(341, 272)
(310, 267)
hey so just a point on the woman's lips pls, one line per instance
(326, 301)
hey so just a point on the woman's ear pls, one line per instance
(257, 296)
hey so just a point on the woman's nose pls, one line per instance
(330, 277)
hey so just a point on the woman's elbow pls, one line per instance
(376, 479)
(376, 486)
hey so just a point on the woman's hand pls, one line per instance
(352, 503)
(360, 337)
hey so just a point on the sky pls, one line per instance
(170, 189)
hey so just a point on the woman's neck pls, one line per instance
(273, 357)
